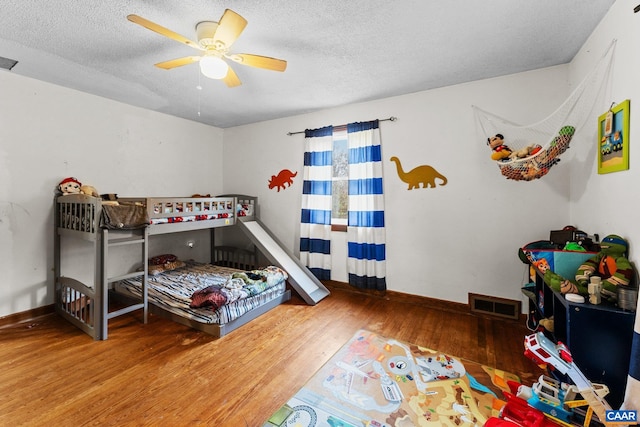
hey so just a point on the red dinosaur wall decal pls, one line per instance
(282, 180)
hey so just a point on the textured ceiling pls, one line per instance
(338, 51)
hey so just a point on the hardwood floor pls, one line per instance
(162, 373)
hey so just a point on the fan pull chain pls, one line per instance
(199, 88)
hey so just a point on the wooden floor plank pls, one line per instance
(163, 373)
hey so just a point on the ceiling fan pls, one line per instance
(214, 40)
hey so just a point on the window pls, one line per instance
(340, 180)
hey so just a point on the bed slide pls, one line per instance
(300, 278)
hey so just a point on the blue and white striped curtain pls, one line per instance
(632, 394)
(365, 230)
(315, 224)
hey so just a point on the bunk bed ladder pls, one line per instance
(137, 237)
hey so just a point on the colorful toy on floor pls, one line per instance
(543, 351)
(549, 402)
(517, 412)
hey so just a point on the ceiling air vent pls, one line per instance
(7, 63)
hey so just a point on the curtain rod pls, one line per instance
(390, 119)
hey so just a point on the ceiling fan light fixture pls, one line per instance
(205, 32)
(214, 41)
(213, 67)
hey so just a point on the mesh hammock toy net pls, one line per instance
(530, 151)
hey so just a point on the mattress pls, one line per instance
(172, 291)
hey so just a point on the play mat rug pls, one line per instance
(380, 382)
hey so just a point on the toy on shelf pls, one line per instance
(610, 264)
(557, 282)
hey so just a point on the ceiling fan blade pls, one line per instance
(231, 79)
(259, 61)
(163, 31)
(167, 65)
(229, 29)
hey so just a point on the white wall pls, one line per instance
(49, 132)
(608, 203)
(444, 242)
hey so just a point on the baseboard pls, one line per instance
(26, 315)
(434, 303)
(403, 297)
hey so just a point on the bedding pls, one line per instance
(124, 216)
(219, 296)
(189, 218)
(239, 285)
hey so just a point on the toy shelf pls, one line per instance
(598, 336)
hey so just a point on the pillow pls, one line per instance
(157, 269)
(162, 259)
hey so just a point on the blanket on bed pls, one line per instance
(124, 216)
(240, 285)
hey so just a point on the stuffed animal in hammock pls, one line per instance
(610, 264)
(499, 150)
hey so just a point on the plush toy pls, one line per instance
(547, 323)
(527, 151)
(610, 264)
(69, 186)
(557, 282)
(89, 190)
(500, 151)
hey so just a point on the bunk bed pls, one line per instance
(132, 221)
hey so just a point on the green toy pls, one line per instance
(559, 283)
(573, 246)
(610, 264)
(562, 285)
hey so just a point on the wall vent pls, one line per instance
(7, 63)
(494, 306)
